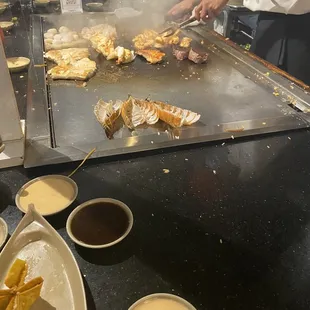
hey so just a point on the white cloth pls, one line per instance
(296, 7)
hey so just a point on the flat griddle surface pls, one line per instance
(219, 90)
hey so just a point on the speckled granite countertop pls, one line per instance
(226, 228)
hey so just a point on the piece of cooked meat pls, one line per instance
(67, 56)
(198, 56)
(180, 53)
(152, 56)
(81, 70)
(186, 42)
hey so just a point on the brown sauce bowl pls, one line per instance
(99, 223)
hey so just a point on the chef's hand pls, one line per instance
(182, 8)
(208, 9)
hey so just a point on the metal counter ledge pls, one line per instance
(226, 228)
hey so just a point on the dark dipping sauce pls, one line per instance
(100, 223)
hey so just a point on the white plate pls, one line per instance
(3, 232)
(17, 64)
(48, 256)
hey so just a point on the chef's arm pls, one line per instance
(183, 7)
(208, 9)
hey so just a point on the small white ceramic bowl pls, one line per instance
(6, 26)
(3, 232)
(92, 202)
(94, 6)
(62, 177)
(165, 296)
(17, 64)
(3, 6)
(41, 3)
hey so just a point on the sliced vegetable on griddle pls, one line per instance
(107, 112)
(175, 116)
(136, 112)
(132, 114)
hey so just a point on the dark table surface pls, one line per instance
(226, 228)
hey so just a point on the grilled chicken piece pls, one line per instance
(145, 39)
(175, 116)
(67, 56)
(122, 55)
(151, 38)
(186, 42)
(152, 56)
(103, 30)
(102, 38)
(197, 56)
(81, 70)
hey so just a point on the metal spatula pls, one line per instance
(171, 30)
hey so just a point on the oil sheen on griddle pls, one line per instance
(100, 223)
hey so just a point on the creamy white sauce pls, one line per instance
(160, 304)
(48, 195)
(17, 62)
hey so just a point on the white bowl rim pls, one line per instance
(60, 176)
(94, 201)
(26, 64)
(164, 295)
(6, 231)
(9, 24)
(94, 4)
